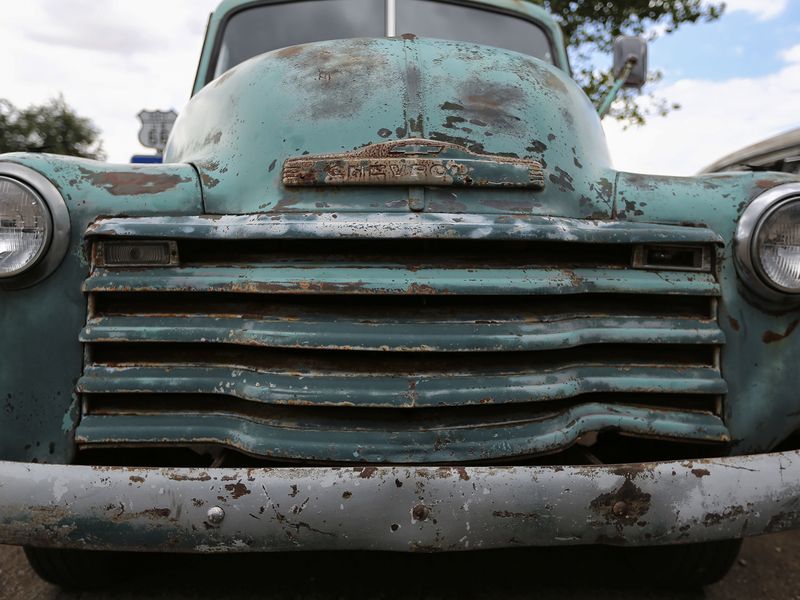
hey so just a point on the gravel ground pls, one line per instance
(768, 568)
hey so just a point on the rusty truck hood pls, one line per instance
(353, 98)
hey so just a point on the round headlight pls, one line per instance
(776, 247)
(25, 227)
(768, 243)
(34, 227)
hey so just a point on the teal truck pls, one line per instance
(387, 292)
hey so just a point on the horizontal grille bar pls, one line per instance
(433, 338)
(415, 226)
(321, 279)
(402, 336)
(436, 445)
(396, 390)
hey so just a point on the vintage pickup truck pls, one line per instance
(388, 292)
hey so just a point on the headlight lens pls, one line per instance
(25, 226)
(777, 247)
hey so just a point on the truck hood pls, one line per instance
(347, 96)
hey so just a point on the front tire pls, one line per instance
(79, 569)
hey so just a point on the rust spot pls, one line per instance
(700, 473)
(178, 477)
(782, 521)
(347, 495)
(421, 289)
(765, 184)
(462, 474)
(624, 506)
(237, 490)
(157, 513)
(294, 491)
(770, 337)
(367, 472)
(136, 479)
(132, 183)
(506, 514)
(290, 51)
(729, 514)
(208, 180)
(563, 180)
(420, 512)
(734, 324)
(408, 36)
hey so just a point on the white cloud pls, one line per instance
(792, 54)
(109, 61)
(716, 118)
(763, 9)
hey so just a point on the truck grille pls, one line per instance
(451, 347)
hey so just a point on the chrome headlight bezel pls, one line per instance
(57, 239)
(746, 243)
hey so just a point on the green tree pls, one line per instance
(52, 127)
(590, 27)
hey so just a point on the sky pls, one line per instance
(737, 79)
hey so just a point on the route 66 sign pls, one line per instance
(156, 125)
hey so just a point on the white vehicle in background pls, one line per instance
(778, 153)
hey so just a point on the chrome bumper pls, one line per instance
(396, 508)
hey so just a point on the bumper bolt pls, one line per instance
(620, 509)
(420, 512)
(215, 515)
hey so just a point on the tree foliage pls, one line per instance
(52, 127)
(590, 27)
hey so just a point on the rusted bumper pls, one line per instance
(397, 508)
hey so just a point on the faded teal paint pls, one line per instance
(372, 225)
(398, 390)
(762, 408)
(241, 128)
(238, 131)
(525, 8)
(395, 335)
(42, 357)
(363, 279)
(404, 446)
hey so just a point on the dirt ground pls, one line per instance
(768, 568)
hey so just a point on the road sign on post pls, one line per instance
(156, 125)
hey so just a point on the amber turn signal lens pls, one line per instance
(136, 254)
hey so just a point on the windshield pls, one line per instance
(260, 29)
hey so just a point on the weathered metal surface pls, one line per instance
(487, 101)
(42, 357)
(406, 336)
(320, 441)
(762, 406)
(379, 225)
(430, 389)
(239, 131)
(415, 161)
(324, 279)
(407, 509)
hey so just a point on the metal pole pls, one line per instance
(391, 18)
(605, 105)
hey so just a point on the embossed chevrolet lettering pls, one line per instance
(390, 293)
(410, 163)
